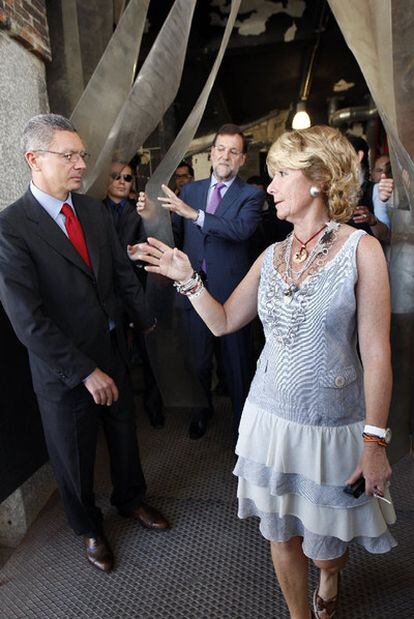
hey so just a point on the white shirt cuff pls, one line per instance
(200, 219)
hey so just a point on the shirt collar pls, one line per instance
(214, 181)
(117, 205)
(51, 204)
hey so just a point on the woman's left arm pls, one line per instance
(373, 313)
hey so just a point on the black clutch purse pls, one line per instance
(356, 489)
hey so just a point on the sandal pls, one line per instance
(325, 609)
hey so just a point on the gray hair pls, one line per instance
(39, 131)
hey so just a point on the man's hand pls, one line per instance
(145, 207)
(133, 251)
(101, 387)
(362, 215)
(175, 205)
(385, 187)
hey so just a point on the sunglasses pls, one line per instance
(126, 177)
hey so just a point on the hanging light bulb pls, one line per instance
(301, 119)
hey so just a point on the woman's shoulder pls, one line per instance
(353, 237)
(364, 248)
(363, 240)
(345, 231)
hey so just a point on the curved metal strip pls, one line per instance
(366, 27)
(153, 92)
(160, 224)
(379, 33)
(103, 97)
(175, 376)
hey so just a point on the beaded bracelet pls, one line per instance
(193, 287)
(183, 287)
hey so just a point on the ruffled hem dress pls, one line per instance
(300, 435)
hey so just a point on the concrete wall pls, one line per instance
(22, 95)
(23, 45)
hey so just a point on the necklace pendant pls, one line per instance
(301, 255)
(288, 296)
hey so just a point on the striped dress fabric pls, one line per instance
(300, 435)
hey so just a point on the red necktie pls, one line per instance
(75, 232)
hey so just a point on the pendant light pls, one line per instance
(301, 119)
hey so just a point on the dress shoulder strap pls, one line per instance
(352, 244)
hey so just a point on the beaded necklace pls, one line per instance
(320, 249)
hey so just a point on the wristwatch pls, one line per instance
(383, 433)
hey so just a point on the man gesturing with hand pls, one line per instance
(214, 220)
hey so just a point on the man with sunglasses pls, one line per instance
(63, 276)
(130, 229)
(119, 188)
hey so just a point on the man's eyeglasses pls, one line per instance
(222, 149)
(70, 157)
(127, 177)
(182, 176)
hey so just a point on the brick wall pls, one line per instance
(25, 20)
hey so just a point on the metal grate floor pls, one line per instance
(209, 565)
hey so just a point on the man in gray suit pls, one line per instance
(60, 265)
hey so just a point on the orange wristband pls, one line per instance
(369, 438)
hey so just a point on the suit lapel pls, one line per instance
(90, 231)
(203, 188)
(51, 233)
(127, 218)
(232, 194)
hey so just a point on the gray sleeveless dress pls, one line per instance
(300, 435)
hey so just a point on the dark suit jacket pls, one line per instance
(130, 230)
(224, 239)
(130, 227)
(59, 308)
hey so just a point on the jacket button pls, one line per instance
(339, 381)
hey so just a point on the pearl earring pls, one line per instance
(314, 191)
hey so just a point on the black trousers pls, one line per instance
(237, 362)
(152, 396)
(71, 430)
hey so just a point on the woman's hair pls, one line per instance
(325, 157)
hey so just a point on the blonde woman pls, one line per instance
(315, 418)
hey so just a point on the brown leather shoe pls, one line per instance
(98, 553)
(149, 517)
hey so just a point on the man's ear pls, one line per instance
(360, 155)
(32, 160)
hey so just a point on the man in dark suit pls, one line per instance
(60, 265)
(214, 220)
(130, 230)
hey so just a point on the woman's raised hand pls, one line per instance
(162, 259)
